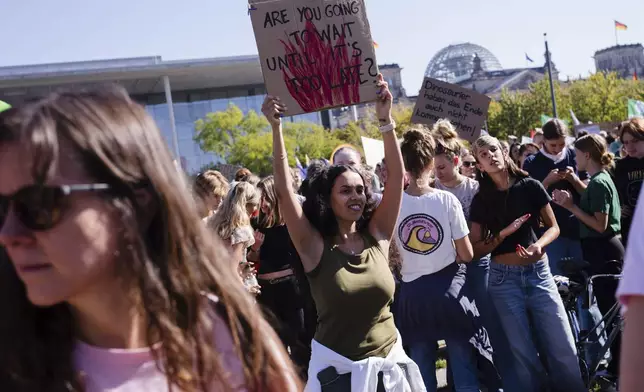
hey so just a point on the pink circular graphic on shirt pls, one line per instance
(420, 233)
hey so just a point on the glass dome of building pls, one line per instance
(456, 62)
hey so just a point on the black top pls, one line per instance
(525, 196)
(277, 252)
(629, 173)
(539, 166)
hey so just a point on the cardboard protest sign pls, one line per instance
(315, 54)
(374, 150)
(466, 109)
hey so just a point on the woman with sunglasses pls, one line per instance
(468, 165)
(111, 267)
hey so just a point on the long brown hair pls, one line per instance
(168, 264)
(493, 207)
(269, 194)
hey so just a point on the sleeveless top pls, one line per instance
(353, 295)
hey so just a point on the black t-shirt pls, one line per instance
(628, 175)
(525, 196)
(539, 166)
(277, 252)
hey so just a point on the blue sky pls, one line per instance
(409, 32)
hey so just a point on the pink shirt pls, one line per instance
(134, 370)
(632, 282)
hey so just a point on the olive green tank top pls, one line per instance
(353, 295)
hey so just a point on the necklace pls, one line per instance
(347, 249)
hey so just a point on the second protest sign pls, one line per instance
(315, 54)
(466, 109)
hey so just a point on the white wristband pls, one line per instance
(388, 128)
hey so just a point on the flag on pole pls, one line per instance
(528, 58)
(575, 121)
(635, 75)
(4, 106)
(620, 26)
(635, 108)
(545, 118)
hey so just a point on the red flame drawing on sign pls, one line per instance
(327, 60)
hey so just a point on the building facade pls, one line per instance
(175, 93)
(626, 60)
(475, 67)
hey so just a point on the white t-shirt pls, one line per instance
(425, 232)
(465, 192)
(632, 283)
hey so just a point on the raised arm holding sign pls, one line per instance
(466, 109)
(315, 54)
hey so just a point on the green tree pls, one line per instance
(511, 114)
(219, 132)
(603, 97)
(246, 140)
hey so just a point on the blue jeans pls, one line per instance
(478, 272)
(460, 359)
(535, 322)
(561, 248)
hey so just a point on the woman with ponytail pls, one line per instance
(433, 304)
(449, 150)
(599, 213)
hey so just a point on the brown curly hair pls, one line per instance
(169, 264)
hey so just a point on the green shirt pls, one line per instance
(353, 295)
(601, 196)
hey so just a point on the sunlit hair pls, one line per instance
(418, 150)
(209, 183)
(168, 263)
(346, 148)
(317, 206)
(233, 212)
(269, 194)
(595, 145)
(447, 141)
(634, 127)
(555, 129)
(241, 173)
(494, 206)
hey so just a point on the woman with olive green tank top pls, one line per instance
(343, 242)
(353, 294)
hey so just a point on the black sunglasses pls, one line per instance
(41, 207)
(469, 164)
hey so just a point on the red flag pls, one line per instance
(635, 75)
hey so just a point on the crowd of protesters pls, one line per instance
(120, 275)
